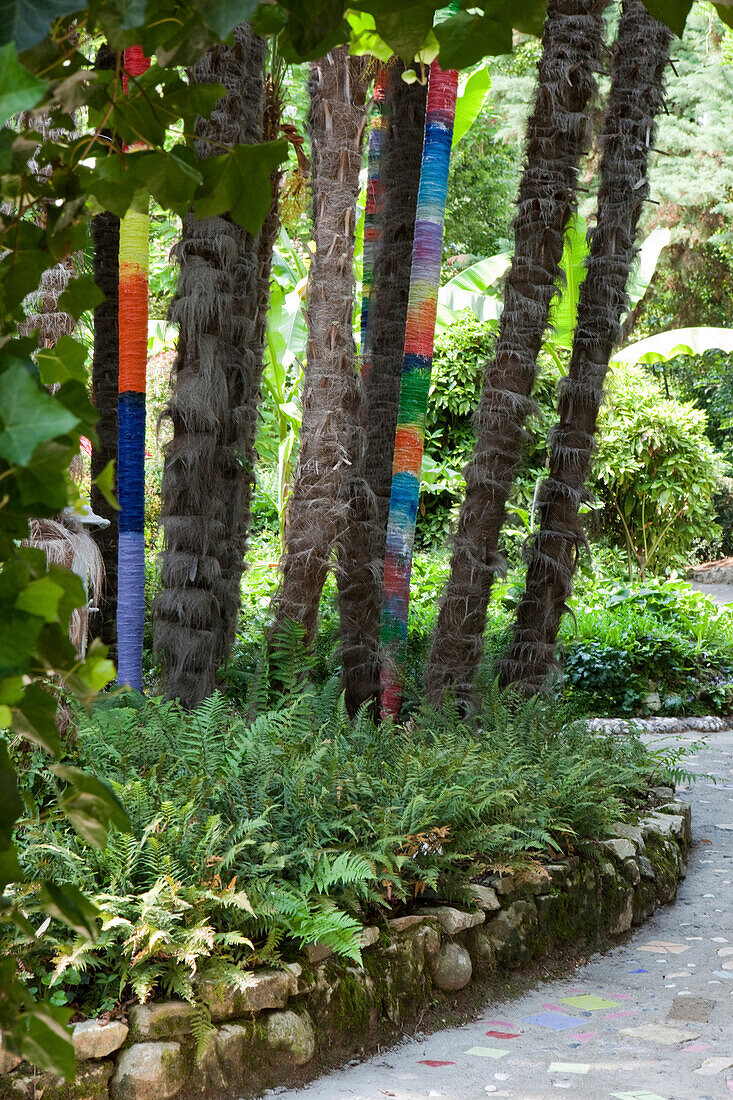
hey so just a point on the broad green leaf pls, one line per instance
(564, 310)
(81, 294)
(674, 342)
(19, 89)
(11, 805)
(224, 15)
(171, 178)
(10, 868)
(475, 288)
(465, 39)
(41, 598)
(672, 12)
(105, 482)
(6, 716)
(469, 103)
(28, 415)
(68, 904)
(26, 22)
(238, 183)
(33, 717)
(90, 805)
(646, 264)
(311, 21)
(65, 361)
(364, 37)
(46, 1042)
(97, 670)
(405, 31)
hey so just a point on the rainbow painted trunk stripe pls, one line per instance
(372, 217)
(133, 322)
(416, 367)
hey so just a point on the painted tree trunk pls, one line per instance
(558, 134)
(629, 123)
(133, 357)
(195, 610)
(416, 368)
(105, 387)
(318, 509)
(362, 563)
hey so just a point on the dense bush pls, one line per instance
(655, 471)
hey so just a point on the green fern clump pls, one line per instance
(256, 832)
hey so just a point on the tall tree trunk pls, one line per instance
(417, 363)
(133, 359)
(105, 370)
(219, 261)
(318, 510)
(629, 124)
(362, 561)
(558, 134)
(105, 366)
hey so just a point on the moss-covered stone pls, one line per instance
(147, 1070)
(290, 1038)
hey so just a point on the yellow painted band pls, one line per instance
(134, 233)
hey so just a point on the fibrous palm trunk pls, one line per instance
(318, 510)
(427, 250)
(105, 369)
(362, 559)
(629, 123)
(558, 134)
(215, 309)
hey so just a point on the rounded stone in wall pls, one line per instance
(451, 967)
(290, 1037)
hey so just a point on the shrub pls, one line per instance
(656, 472)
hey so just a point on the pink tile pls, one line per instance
(583, 1036)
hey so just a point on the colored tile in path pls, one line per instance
(556, 1021)
(568, 1067)
(486, 1052)
(589, 1003)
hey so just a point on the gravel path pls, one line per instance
(673, 978)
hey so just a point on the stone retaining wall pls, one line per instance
(283, 1025)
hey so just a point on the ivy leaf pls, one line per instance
(81, 294)
(238, 183)
(171, 178)
(19, 89)
(95, 673)
(46, 1042)
(26, 22)
(28, 415)
(11, 804)
(41, 598)
(68, 904)
(66, 360)
(405, 31)
(33, 718)
(465, 39)
(224, 15)
(311, 21)
(105, 482)
(90, 805)
(672, 12)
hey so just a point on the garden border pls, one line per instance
(284, 1025)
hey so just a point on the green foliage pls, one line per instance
(655, 472)
(482, 185)
(251, 836)
(661, 637)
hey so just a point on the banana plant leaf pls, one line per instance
(471, 99)
(674, 342)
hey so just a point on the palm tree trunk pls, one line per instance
(105, 384)
(383, 328)
(330, 429)
(133, 356)
(557, 136)
(427, 254)
(219, 262)
(629, 123)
